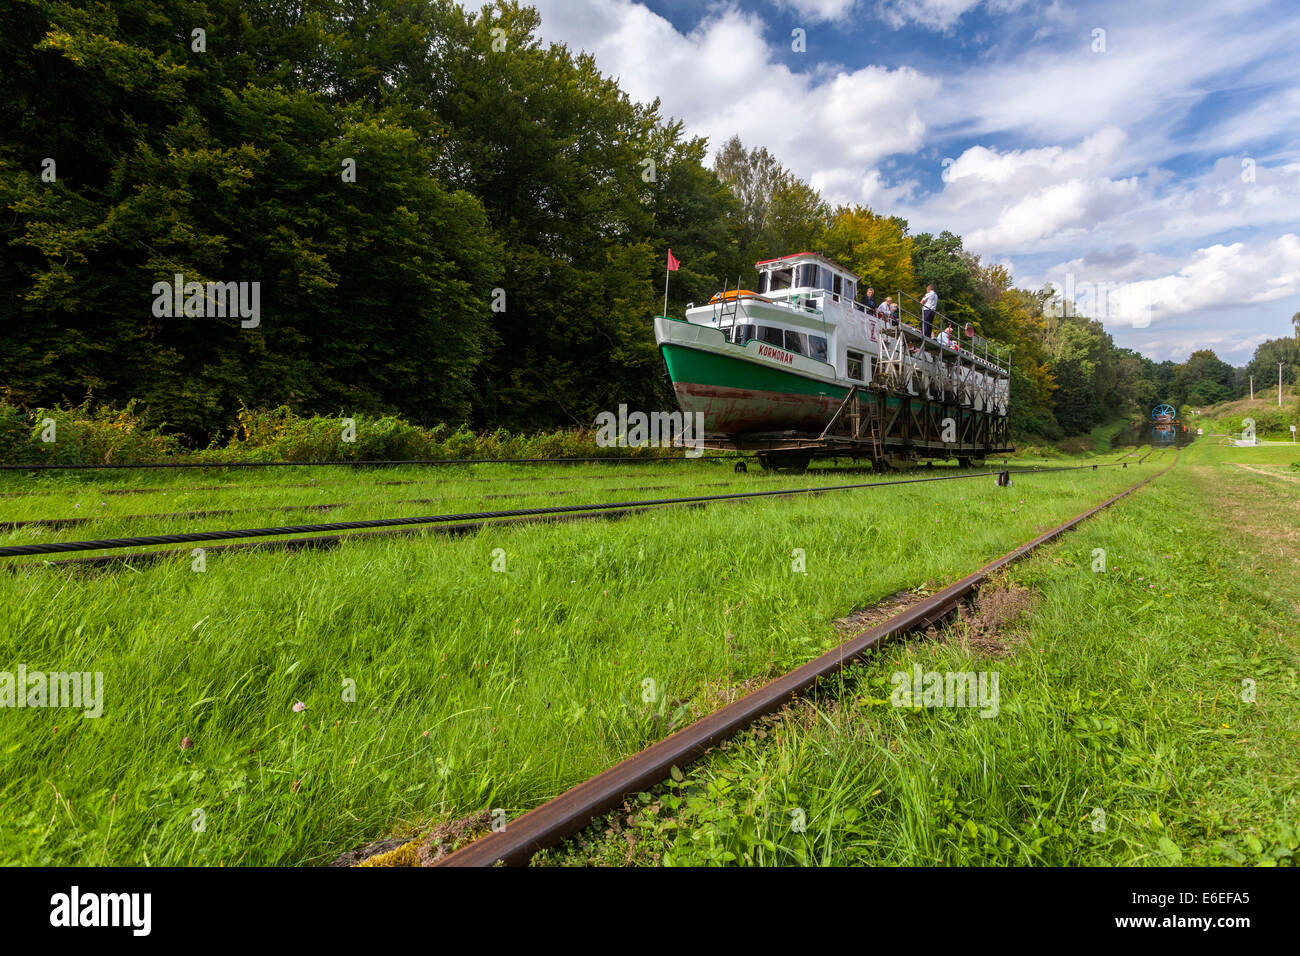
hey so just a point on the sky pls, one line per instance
(1144, 155)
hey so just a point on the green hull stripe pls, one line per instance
(690, 366)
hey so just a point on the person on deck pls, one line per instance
(929, 303)
(886, 311)
(870, 300)
(945, 337)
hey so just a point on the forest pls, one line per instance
(445, 218)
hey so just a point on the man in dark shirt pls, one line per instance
(870, 299)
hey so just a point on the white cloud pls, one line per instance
(1035, 201)
(820, 10)
(830, 125)
(1213, 278)
(1062, 149)
(934, 14)
(1144, 81)
(1060, 212)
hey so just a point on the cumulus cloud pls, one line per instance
(1213, 278)
(1107, 161)
(1058, 212)
(831, 125)
(1014, 202)
(1002, 200)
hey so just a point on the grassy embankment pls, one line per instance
(1149, 714)
(434, 686)
(1272, 421)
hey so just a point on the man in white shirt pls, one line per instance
(929, 303)
(945, 337)
(886, 310)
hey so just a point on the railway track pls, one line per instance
(565, 815)
(307, 506)
(314, 483)
(362, 463)
(328, 534)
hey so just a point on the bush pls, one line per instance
(84, 434)
(104, 435)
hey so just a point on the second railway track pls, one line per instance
(335, 532)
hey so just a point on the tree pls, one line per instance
(877, 248)
(374, 293)
(942, 262)
(1203, 379)
(780, 214)
(1263, 364)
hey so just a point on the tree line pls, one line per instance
(444, 217)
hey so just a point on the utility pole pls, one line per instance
(1279, 384)
(1252, 388)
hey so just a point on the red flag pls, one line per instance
(673, 264)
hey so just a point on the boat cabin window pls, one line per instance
(800, 343)
(807, 276)
(779, 279)
(855, 366)
(836, 285)
(762, 283)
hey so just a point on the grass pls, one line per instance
(434, 685)
(1149, 714)
(1272, 421)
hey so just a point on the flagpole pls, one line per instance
(666, 271)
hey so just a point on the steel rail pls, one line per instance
(321, 541)
(572, 810)
(318, 506)
(92, 489)
(358, 463)
(195, 537)
(314, 483)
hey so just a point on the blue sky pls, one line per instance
(1147, 154)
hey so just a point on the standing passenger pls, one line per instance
(870, 300)
(929, 303)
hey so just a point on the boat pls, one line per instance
(799, 367)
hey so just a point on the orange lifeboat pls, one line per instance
(733, 294)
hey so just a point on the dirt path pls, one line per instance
(1264, 471)
(1264, 521)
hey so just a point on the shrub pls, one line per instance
(85, 434)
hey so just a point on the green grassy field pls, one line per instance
(433, 685)
(1148, 714)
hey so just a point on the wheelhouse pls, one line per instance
(805, 272)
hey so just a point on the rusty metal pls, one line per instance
(463, 522)
(568, 813)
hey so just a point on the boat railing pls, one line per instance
(990, 353)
